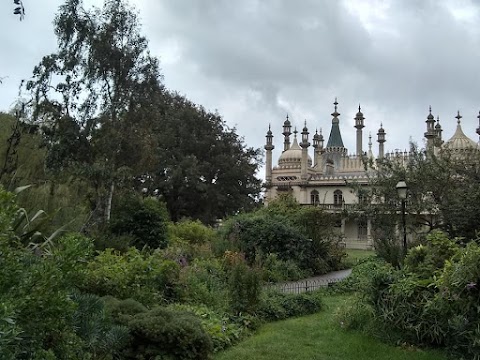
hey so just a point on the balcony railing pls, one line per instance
(335, 207)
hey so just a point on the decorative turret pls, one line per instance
(430, 134)
(335, 150)
(269, 147)
(359, 125)
(304, 145)
(335, 138)
(287, 127)
(381, 139)
(438, 133)
(370, 152)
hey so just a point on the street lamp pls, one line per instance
(402, 194)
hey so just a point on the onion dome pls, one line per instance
(459, 142)
(292, 157)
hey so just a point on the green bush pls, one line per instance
(144, 219)
(204, 282)
(259, 235)
(167, 333)
(278, 306)
(244, 288)
(222, 329)
(145, 277)
(275, 270)
(192, 232)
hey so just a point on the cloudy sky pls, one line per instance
(257, 60)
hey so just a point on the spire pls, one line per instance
(458, 117)
(335, 138)
(359, 125)
(287, 127)
(304, 143)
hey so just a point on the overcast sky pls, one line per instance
(257, 60)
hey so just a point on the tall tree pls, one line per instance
(202, 168)
(94, 97)
(443, 192)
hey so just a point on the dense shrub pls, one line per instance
(143, 219)
(259, 235)
(244, 285)
(37, 311)
(222, 329)
(166, 333)
(278, 306)
(145, 277)
(192, 232)
(275, 270)
(204, 282)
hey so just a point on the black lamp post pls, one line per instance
(402, 194)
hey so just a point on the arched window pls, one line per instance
(314, 197)
(337, 198)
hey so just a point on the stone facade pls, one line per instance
(322, 181)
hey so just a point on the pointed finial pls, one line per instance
(478, 117)
(295, 132)
(269, 126)
(381, 125)
(359, 108)
(316, 131)
(287, 116)
(430, 109)
(458, 117)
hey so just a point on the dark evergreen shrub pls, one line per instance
(167, 333)
(144, 219)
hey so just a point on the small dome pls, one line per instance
(459, 142)
(293, 156)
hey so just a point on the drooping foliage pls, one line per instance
(94, 97)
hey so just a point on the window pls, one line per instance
(337, 198)
(362, 229)
(362, 198)
(314, 197)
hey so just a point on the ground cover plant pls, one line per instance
(431, 301)
(319, 336)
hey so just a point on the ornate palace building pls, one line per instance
(322, 181)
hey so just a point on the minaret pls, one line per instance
(304, 145)
(430, 134)
(478, 129)
(269, 147)
(359, 124)
(381, 139)
(287, 127)
(316, 145)
(438, 133)
(370, 152)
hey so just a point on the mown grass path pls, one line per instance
(318, 337)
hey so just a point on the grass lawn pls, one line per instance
(317, 337)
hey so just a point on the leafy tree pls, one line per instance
(202, 168)
(94, 97)
(145, 220)
(443, 193)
